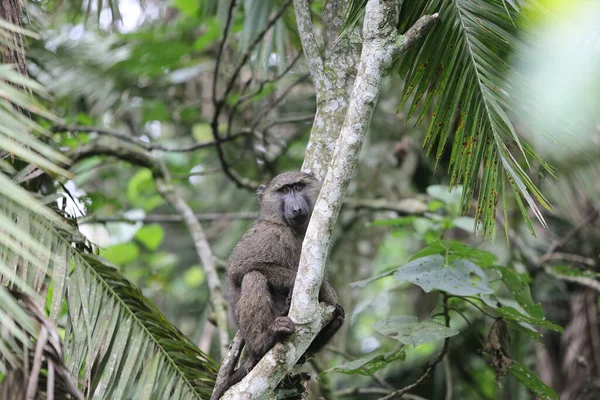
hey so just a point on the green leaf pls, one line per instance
(531, 381)
(408, 330)
(187, 7)
(445, 194)
(202, 132)
(194, 276)
(513, 314)
(453, 249)
(368, 365)
(518, 288)
(467, 224)
(141, 191)
(121, 254)
(458, 277)
(402, 221)
(211, 33)
(151, 236)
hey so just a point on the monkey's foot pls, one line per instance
(283, 326)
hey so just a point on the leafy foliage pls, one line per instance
(408, 330)
(462, 66)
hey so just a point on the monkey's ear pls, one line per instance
(260, 192)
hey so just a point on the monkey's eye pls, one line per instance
(298, 187)
(285, 190)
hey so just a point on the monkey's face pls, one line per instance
(291, 197)
(295, 206)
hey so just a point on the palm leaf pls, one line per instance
(460, 67)
(35, 362)
(115, 338)
(461, 64)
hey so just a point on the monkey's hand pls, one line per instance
(338, 317)
(282, 326)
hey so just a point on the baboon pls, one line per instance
(262, 269)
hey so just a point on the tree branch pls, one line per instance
(379, 46)
(145, 145)
(169, 192)
(308, 40)
(166, 218)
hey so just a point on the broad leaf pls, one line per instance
(453, 249)
(458, 277)
(513, 314)
(151, 236)
(368, 365)
(408, 330)
(518, 288)
(532, 382)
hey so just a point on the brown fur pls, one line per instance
(262, 269)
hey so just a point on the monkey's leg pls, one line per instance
(258, 318)
(328, 296)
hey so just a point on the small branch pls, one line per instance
(433, 364)
(220, 53)
(403, 207)
(262, 84)
(570, 235)
(166, 218)
(289, 120)
(276, 101)
(354, 391)
(169, 192)
(229, 362)
(145, 145)
(581, 280)
(308, 40)
(574, 258)
(414, 33)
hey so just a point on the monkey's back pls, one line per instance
(265, 243)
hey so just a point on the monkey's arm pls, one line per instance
(327, 293)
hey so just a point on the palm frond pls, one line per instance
(35, 361)
(80, 69)
(115, 338)
(462, 66)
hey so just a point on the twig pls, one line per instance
(169, 192)
(289, 120)
(404, 207)
(476, 306)
(565, 239)
(262, 83)
(580, 280)
(220, 52)
(229, 362)
(448, 376)
(277, 100)
(166, 218)
(433, 364)
(145, 145)
(574, 258)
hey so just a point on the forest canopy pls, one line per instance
(457, 143)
